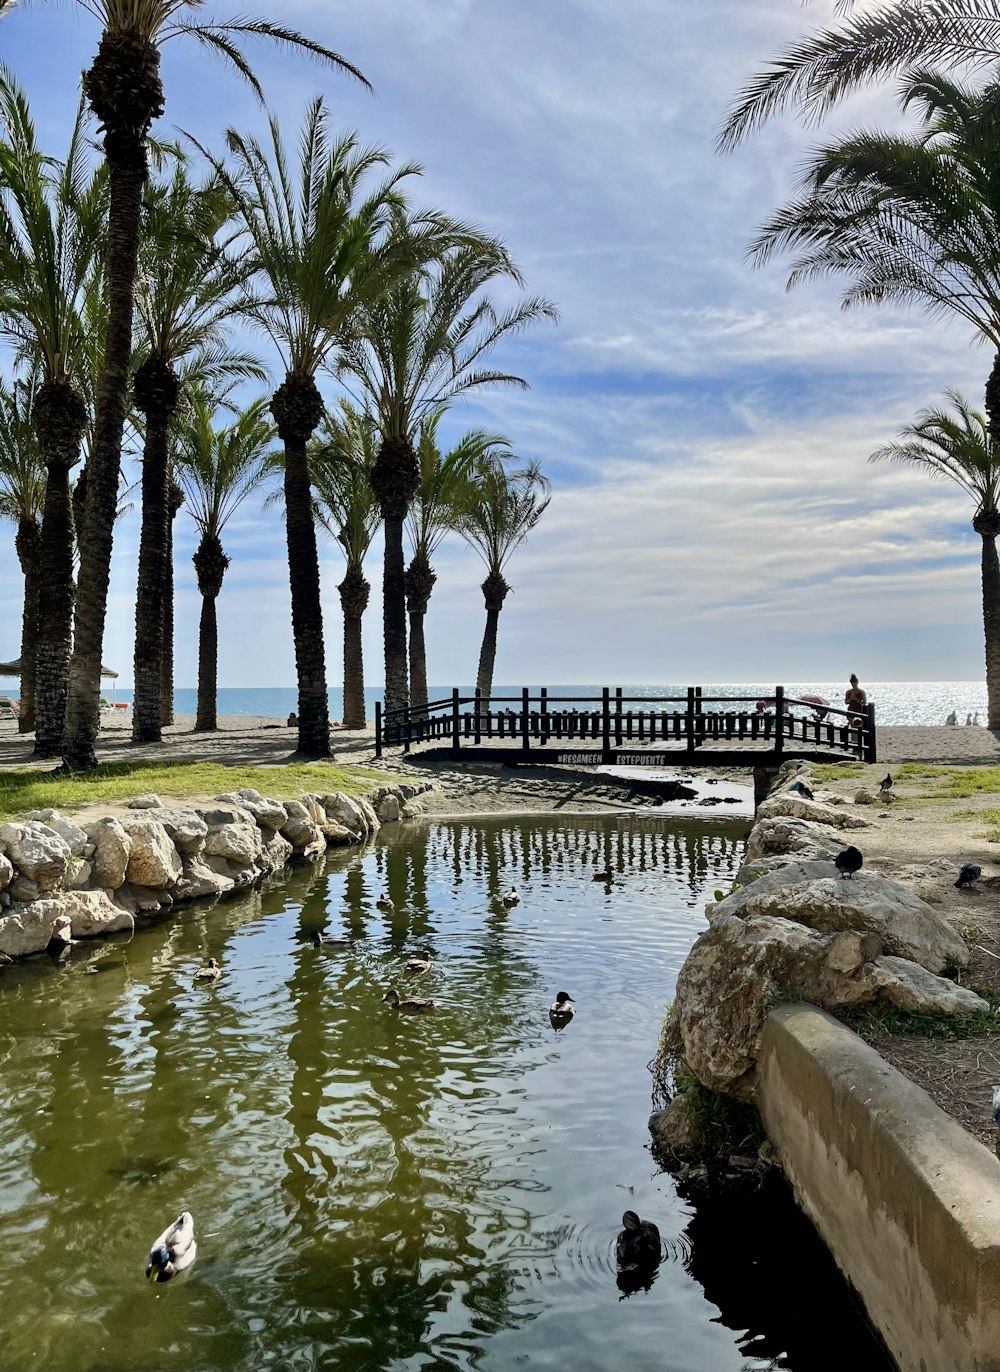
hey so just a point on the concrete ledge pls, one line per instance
(907, 1201)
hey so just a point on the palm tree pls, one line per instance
(502, 507)
(443, 482)
(175, 500)
(52, 219)
(22, 499)
(186, 289)
(340, 464)
(217, 470)
(957, 446)
(323, 255)
(415, 349)
(816, 72)
(124, 90)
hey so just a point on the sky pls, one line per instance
(713, 515)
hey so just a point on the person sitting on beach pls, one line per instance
(292, 722)
(975, 717)
(855, 698)
(968, 718)
(952, 719)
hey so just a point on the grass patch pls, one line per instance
(876, 1022)
(722, 1125)
(27, 788)
(952, 783)
(836, 771)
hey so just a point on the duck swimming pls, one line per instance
(561, 1010)
(411, 1004)
(174, 1250)
(606, 875)
(415, 965)
(511, 897)
(210, 973)
(330, 940)
(385, 902)
(638, 1244)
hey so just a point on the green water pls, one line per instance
(370, 1190)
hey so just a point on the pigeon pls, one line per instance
(967, 874)
(848, 862)
(886, 783)
(802, 789)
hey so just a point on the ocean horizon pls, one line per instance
(896, 702)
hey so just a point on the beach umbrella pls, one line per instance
(14, 669)
(819, 703)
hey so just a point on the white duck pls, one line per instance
(174, 1250)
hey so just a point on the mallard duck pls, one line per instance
(638, 1244)
(415, 965)
(385, 902)
(174, 1250)
(511, 897)
(412, 1004)
(561, 1010)
(330, 940)
(606, 875)
(210, 973)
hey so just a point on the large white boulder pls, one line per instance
(790, 805)
(785, 834)
(240, 842)
(301, 830)
(6, 871)
(92, 913)
(68, 830)
(199, 881)
(27, 929)
(185, 829)
(153, 859)
(914, 988)
(388, 809)
(277, 851)
(267, 813)
(907, 925)
(112, 847)
(38, 852)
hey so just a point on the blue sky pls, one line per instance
(713, 514)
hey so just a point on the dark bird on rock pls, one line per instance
(886, 782)
(638, 1244)
(849, 861)
(802, 789)
(967, 874)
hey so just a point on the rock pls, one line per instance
(239, 842)
(240, 877)
(38, 852)
(198, 881)
(368, 814)
(277, 851)
(153, 859)
(314, 806)
(793, 806)
(784, 834)
(411, 810)
(6, 871)
(269, 814)
(68, 830)
(92, 913)
(78, 873)
(112, 847)
(302, 832)
(89, 850)
(346, 811)
(911, 987)
(5, 899)
(149, 801)
(388, 809)
(907, 925)
(29, 929)
(217, 815)
(674, 1132)
(144, 898)
(186, 830)
(862, 796)
(738, 969)
(24, 889)
(336, 835)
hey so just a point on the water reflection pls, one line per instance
(370, 1190)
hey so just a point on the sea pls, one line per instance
(896, 702)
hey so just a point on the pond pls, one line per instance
(374, 1190)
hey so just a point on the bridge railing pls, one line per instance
(618, 720)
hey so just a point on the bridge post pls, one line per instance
(478, 726)
(618, 716)
(456, 744)
(870, 749)
(779, 719)
(407, 729)
(378, 728)
(543, 707)
(525, 729)
(606, 725)
(689, 719)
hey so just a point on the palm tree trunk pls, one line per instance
(175, 500)
(59, 415)
(157, 391)
(354, 591)
(494, 593)
(208, 666)
(420, 579)
(991, 623)
(394, 480)
(297, 408)
(28, 545)
(124, 90)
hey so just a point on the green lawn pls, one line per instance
(29, 789)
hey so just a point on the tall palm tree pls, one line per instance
(52, 219)
(186, 289)
(444, 480)
(502, 507)
(324, 253)
(414, 350)
(217, 470)
(22, 499)
(956, 445)
(175, 501)
(894, 37)
(340, 464)
(124, 90)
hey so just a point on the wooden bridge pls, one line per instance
(693, 729)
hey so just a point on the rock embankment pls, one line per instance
(62, 880)
(793, 929)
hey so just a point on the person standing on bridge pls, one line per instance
(855, 698)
